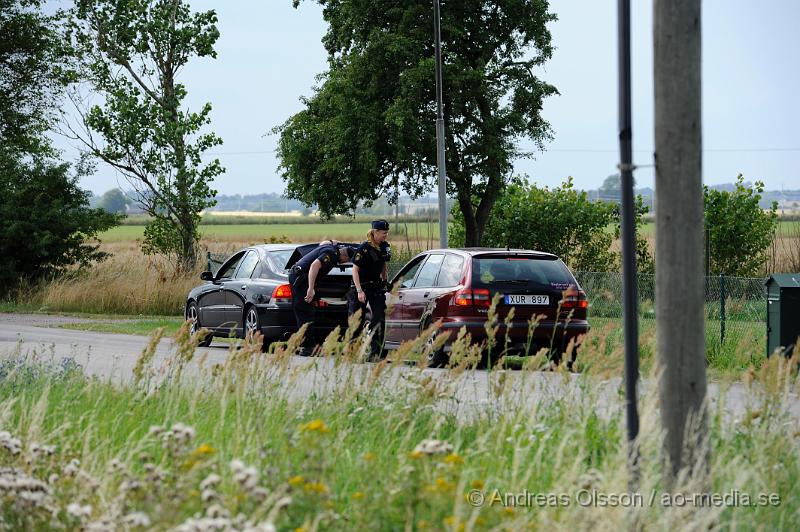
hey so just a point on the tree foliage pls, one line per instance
(562, 221)
(46, 222)
(131, 53)
(369, 128)
(51, 233)
(113, 200)
(32, 76)
(739, 231)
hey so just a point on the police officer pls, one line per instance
(303, 278)
(370, 269)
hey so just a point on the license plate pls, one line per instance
(526, 299)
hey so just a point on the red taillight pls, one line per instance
(283, 291)
(478, 297)
(575, 300)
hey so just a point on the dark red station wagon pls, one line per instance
(456, 286)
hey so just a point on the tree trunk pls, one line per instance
(679, 237)
(471, 230)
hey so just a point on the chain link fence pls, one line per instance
(735, 307)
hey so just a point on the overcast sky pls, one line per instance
(269, 54)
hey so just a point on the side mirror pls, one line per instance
(207, 276)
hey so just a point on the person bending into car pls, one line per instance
(370, 268)
(303, 278)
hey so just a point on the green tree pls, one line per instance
(50, 234)
(131, 52)
(739, 231)
(562, 220)
(32, 77)
(113, 200)
(369, 128)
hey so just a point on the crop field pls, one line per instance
(414, 232)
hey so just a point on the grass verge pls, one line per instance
(236, 447)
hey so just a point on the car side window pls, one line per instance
(428, 272)
(407, 274)
(247, 265)
(450, 274)
(227, 269)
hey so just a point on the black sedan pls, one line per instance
(250, 292)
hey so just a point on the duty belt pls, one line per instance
(296, 269)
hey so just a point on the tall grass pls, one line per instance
(259, 441)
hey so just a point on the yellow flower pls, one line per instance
(204, 449)
(316, 425)
(477, 484)
(358, 495)
(416, 454)
(300, 529)
(296, 480)
(453, 459)
(422, 525)
(329, 505)
(509, 510)
(453, 522)
(316, 487)
(444, 485)
(368, 457)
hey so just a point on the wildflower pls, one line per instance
(215, 510)
(9, 443)
(358, 495)
(155, 430)
(247, 477)
(71, 469)
(316, 487)
(368, 457)
(260, 493)
(453, 459)
(210, 481)
(477, 484)
(316, 425)
(416, 454)
(52, 479)
(237, 466)
(430, 447)
(79, 512)
(208, 495)
(296, 480)
(443, 485)
(114, 465)
(204, 450)
(137, 519)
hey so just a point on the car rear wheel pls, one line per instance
(252, 324)
(193, 316)
(438, 358)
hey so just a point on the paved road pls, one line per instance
(114, 356)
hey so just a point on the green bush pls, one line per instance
(562, 220)
(739, 231)
(47, 221)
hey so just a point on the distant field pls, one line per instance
(417, 231)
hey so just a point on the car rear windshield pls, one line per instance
(520, 270)
(280, 258)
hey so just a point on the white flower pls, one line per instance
(431, 446)
(237, 465)
(210, 481)
(72, 468)
(155, 430)
(208, 495)
(215, 510)
(139, 519)
(76, 510)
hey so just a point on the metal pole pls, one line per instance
(437, 26)
(629, 295)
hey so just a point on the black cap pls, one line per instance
(381, 225)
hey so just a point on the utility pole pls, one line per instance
(679, 237)
(629, 288)
(437, 31)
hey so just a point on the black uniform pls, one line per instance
(298, 279)
(370, 262)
